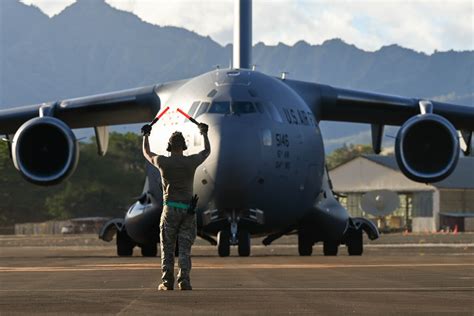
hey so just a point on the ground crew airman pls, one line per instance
(178, 220)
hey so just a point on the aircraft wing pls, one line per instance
(431, 133)
(336, 104)
(122, 107)
(43, 147)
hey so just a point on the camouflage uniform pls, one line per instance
(177, 173)
(176, 223)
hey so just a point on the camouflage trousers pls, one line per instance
(176, 224)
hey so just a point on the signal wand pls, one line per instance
(159, 116)
(188, 117)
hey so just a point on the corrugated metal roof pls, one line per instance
(461, 178)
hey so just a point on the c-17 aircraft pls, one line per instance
(266, 173)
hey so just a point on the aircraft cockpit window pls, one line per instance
(220, 107)
(243, 107)
(212, 93)
(202, 109)
(193, 108)
(236, 107)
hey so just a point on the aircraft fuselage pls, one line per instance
(267, 157)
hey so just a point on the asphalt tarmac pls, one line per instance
(60, 276)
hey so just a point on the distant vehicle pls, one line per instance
(67, 229)
(266, 174)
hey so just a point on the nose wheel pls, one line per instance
(223, 243)
(233, 236)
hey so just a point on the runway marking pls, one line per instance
(273, 289)
(148, 266)
(405, 245)
(428, 245)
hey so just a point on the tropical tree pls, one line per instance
(345, 153)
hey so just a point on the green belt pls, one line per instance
(177, 204)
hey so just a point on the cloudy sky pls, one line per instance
(423, 25)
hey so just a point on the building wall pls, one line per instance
(469, 224)
(424, 224)
(363, 175)
(457, 201)
(425, 212)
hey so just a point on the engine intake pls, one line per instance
(427, 148)
(45, 151)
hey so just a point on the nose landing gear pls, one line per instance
(234, 237)
(223, 243)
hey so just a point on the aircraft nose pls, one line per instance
(236, 163)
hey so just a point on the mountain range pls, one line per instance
(91, 47)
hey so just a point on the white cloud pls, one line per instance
(50, 7)
(423, 25)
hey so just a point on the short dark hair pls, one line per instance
(177, 142)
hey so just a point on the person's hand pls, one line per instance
(203, 128)
(146, 130)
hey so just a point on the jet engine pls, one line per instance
(427, 148)
(45, 150)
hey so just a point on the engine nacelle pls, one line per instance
(45, 151)
(427, 148)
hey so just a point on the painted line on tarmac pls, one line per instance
(116, 267)
(427, 245)
(274, 289)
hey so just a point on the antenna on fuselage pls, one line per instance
(242, 34)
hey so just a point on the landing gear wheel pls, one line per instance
(305, 243)
(244, 243)
(149, 250)
(330, 248)
(125, 244)
(355, 245)
(223, 243)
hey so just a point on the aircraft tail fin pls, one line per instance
(242, 34)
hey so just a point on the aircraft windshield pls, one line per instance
(221, 107)
(236, 107)
(243, 107)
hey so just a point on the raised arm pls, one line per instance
(203, 154)
(203, 128)
(146, 150)
(207, 145)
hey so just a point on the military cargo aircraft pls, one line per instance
(266, 174)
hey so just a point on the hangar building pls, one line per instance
(423, 207)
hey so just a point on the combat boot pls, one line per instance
(164, 287)
(185, 286)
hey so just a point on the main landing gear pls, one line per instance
(353, 241)
(125, 244)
